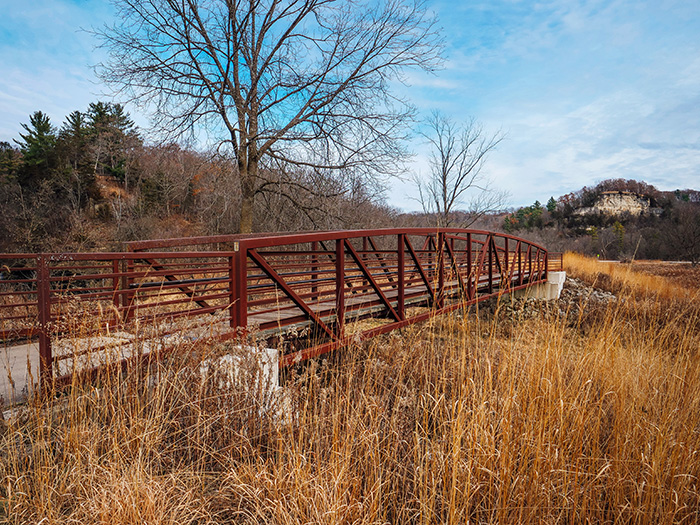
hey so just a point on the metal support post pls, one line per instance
(401, 291)
(520, 264)
(314, 268)
(470, 270)
(491, 247)
(129, 295)
(441, 269)
(116, 299)
(232, 298)
(241, 286)
(43, 293)
(340, 286)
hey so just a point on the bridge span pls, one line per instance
(310, 292)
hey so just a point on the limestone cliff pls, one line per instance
(620, 202)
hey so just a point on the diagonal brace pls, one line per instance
(421, 271)
(277, 279)
(370, 278)
(479, 266)
(184, 289)
(456, 268)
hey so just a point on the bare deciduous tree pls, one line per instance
(298, 81)
(684, 233)
(456, 161)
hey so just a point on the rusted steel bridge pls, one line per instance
(310, 291)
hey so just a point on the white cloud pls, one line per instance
(47, 60)
(585, 90)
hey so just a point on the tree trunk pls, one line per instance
(248, 175)
(246, 219)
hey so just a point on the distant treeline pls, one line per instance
(670, 229)
(96, 181)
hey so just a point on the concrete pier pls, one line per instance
(549, 290)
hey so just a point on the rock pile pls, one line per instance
(575, 297)
(576, 292)
(525, 308)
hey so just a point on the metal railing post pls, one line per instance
(241, 285)
(340, 285)
(124, 286)
(363, 256)
(314, 268)
(470, 270)
(116, 300)
(43, 295)
(232, 299)
(129, 295)
(520, 264)
(401, 285)
(491, 248)
(546, 264)
(441, 269)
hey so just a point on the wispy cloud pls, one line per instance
(586, 90)
(47, 58)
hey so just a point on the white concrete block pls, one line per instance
(248, 367)
(550, 290)
(557, 280)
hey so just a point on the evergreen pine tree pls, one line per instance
(38, 147)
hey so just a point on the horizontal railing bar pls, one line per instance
(178, 282)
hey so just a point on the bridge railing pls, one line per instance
(555, 261)
(79, 307)
(319, 282)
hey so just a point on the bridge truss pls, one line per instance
(268, 286)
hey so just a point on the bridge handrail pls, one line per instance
(260, 240)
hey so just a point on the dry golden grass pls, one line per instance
(463, 419)
(623, 277)
(682, 274)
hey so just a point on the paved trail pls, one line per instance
(15, 378)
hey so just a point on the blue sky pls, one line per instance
(583, 90)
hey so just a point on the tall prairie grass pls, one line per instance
(463, 419)
(623, 277)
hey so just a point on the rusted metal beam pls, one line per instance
(455, 267)
(401, 292)
(340, 287)
(43, 286)
(419, 267)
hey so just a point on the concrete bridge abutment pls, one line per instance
(549, 290)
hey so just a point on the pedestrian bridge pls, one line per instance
(308, 293)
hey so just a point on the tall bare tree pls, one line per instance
(684, 231)
(456, 181)
(305, 82)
